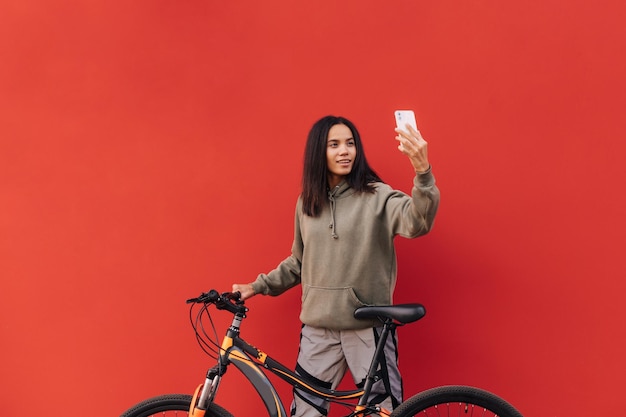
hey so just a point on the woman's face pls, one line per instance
(340, 153)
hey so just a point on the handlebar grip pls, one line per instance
(233, 295)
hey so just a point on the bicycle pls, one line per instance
(446, 400)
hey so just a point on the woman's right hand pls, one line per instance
(413, 145)
(245, 290)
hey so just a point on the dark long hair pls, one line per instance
(315, 173)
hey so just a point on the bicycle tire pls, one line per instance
(455, 400)
(170, 405)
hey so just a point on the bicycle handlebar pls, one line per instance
(213, 297)
(230, 301)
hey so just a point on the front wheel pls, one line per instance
(455, 400)
(171, 405)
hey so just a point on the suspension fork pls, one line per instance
(205, 393)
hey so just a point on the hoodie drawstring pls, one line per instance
(331, 197)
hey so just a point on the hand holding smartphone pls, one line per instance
(417, 151)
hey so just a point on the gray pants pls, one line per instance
(324, 357)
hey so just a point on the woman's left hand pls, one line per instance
(413, 145)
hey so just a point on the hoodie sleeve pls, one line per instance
(414, 216)
(287, 273)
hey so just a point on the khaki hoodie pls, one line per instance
(345, 258)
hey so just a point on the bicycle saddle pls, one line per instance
(404, 313)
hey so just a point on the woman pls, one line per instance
(343, 255)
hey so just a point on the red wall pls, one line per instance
(151, 150)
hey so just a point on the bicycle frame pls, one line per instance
(249, 361)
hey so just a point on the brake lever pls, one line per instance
(206, 297)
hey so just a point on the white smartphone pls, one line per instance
(404, 117)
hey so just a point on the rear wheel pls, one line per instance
(171, 405)
(455, 400)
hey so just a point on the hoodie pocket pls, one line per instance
(331, 308)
